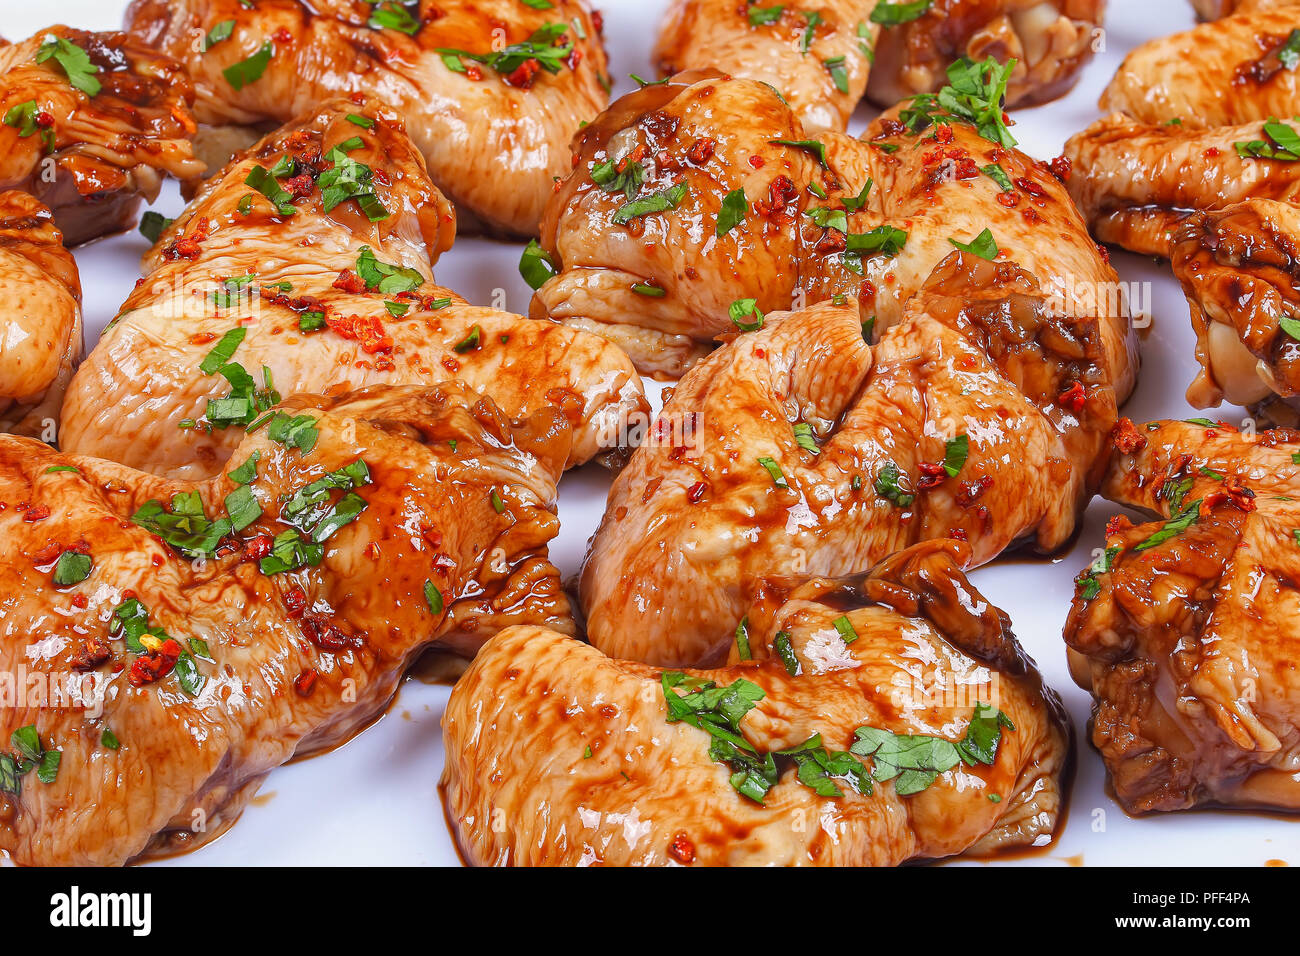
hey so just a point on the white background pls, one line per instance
(375, 800)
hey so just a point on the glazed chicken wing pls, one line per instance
(40, 317)
(720, 201)
(317, 245)
(170, 651)
(1183, 629)
(558, 755)
(492, 90)
(1240, 269)
(1050, 41)
(92, 122)
(1135, 183)
(1233, 71)
(799, 448)
(819, 57)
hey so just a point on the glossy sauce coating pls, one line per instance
(493, 142)
(290, 662)
(558, 755)
(716, 136)
(143, 380)
(1187, 644)
(978, 354)
(109, 151)
(40, 314)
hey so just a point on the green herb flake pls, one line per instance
(241, 74)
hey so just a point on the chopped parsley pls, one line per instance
(607, 175)
(391, 15)
(536, 265)
(915, 762)
(349, 179)
(153, 224)
(1282, 143)
(540, 46)
(890, 13)
(955, 452)
(432, 597)
(762, 16)
(734, 209)
(72, 567)
(1088, 581)
(974, 95)
(241, 74)
(218, 33)
(384, 278)
(74, 60)
(818, 149)
(983, 245)
(661, 201)
(25, 117)
(889, 485)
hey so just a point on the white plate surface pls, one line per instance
(375, 800)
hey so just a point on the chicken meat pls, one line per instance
(41, 317)
(306, 266)
(1240, 69)
(800, 449)
(820, 59)
(881, 720)
(1182, 628)
(161, 656)
(493, 90)
(92, 123)
(1214, 9)
(1135, 183)
(719, 207)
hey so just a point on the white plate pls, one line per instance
(375, 800)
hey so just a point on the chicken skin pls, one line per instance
(317, 244)
(92, 122)
(41, 317)
(1239, 69)
(492, 90)
(720, 201)
(558, 755)
(820, 59)
(1182, 628)
(800, 449)
(1135, 183)
(168, 661)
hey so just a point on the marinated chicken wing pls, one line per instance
(306, 266)
(1214, 9)
(1240, 269)
(819, 58)
(1050, 42)
(908, 725)
(801, 449)
(493, 90)
(1240, 69)
(1183, 629)
(1135, 183)
(92, 122)
(702, 193)
(40, 317)
(169, 655)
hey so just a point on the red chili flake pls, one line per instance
(79, 601)
(1126, 438)
(473, 72)
(327, 635)
(349, 281)
(781, 192)
(757, 162)
(258, 547)
(958, 534)
(933, 475)
(1117, 525)
(300, 185)
(1060, 168)
(702, 150)
(832, 240)
(598, 21)
(44, 119)
(36, 513)
(524, 75)
(282, 36)
(305, 682)
(966, 169)
(366, 329)
(295, 600)
(575, 59)
(1010, 200)
(682, 849)
(970, 491)
(92, 652)
(1031, 187)
(1212, 153)
(1104, 253)
(695, 493)
(155, 665)
(943, 133)
(1074, 397)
